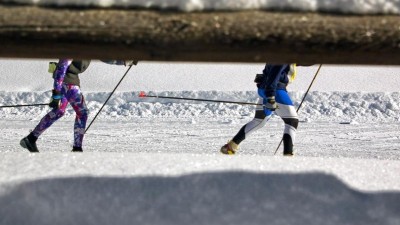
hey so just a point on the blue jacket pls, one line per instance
(274, 77)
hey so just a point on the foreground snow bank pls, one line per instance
(341, 6)
(109, 188)
(331, 106)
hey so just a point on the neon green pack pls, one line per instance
(292, 72)
(52, 67)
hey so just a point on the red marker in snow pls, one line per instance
(142, 94)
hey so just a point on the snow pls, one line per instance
(335, 6)
(156, 161)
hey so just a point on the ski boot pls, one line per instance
(287, 145)
(288, 153)
(77, 149)
(230, 148)
(29, 142)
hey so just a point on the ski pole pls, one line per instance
(304, 97)
(143, 95)
(108, 98)
(14, 106)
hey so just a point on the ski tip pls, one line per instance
(142, 94)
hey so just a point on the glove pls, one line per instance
(259, 79)
(271, 103)
(55, 100)
(130, 62)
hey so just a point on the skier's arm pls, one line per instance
(272, 78)
(60, 72)
(120, 62)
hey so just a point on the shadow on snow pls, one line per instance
(204, 198)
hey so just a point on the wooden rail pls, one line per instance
(248, 36)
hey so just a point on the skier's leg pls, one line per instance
(289, 115)
(50, 118)
(29, 141)
(77, 102)
(260, 119)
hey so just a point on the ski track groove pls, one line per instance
(207, 135)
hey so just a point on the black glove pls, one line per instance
(259, 79)
(130, 62)
(271, 103)
(55, 100)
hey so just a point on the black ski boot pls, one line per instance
(77, 149)
(29, 142)
(287, 145)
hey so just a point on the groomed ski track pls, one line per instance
(363, 156)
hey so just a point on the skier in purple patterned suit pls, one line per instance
(66, 89)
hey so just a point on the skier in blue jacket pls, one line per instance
(271, 86)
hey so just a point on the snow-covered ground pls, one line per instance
(336, 6)
(148, 161)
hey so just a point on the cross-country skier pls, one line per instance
(66, 89)
(271, 86)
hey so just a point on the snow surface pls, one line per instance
(152, 161)
(336, 6)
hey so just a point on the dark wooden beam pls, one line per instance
(249, 36)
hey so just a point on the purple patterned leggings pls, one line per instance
(72, 95)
